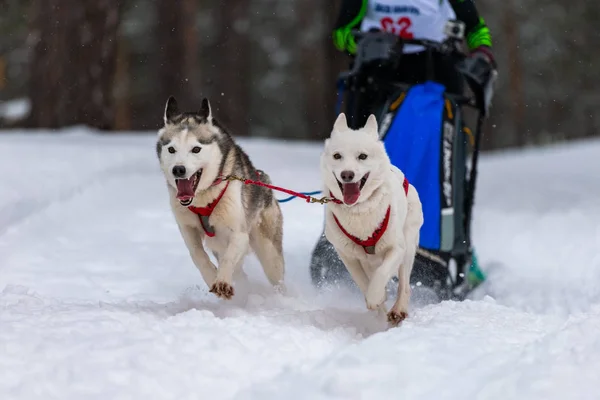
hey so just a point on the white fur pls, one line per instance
(207, 159)
(231, 241)
(395, 251)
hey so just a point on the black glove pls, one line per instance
(486, 53)
(480, 71)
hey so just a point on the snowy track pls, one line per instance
(99, 299)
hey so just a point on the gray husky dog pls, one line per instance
(196, 155)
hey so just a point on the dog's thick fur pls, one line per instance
(362, 153)
(247, 216)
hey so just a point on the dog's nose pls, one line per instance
(179, 171)
(347, 176)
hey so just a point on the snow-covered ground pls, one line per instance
(100, 300)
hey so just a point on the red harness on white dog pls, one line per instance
(369, 244)
(205, 212)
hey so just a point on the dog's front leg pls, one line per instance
(229, 261)
(381, 276)
(356, 272)
(193, 240)
(399, 310)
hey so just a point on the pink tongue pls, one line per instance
(185, 188)
(351, 192)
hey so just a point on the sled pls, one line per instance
(425, 134)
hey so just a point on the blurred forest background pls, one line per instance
(269, 66)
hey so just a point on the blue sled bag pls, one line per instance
(422, 130)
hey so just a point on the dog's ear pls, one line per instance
(171, 109)
(205, 111)
(341, 124)
(371, 126)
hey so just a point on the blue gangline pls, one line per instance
(304, 193)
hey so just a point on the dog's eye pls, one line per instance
(196, 149)
(337, 156)
(362, 156)
(171, 150)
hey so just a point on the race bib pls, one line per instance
(411, 19)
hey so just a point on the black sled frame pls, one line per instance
(444, 273)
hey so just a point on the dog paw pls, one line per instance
(375, 297)
(222, 289)
(395, 317)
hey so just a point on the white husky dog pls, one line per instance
(374, 224)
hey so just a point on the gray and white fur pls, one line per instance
(195, 149)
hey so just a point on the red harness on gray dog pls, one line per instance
(205, 212)
(369, 244)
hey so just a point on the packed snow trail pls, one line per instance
(100, 300)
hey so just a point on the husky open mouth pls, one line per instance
(351, 191)
(186, 188)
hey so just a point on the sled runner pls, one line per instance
(425, 135)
